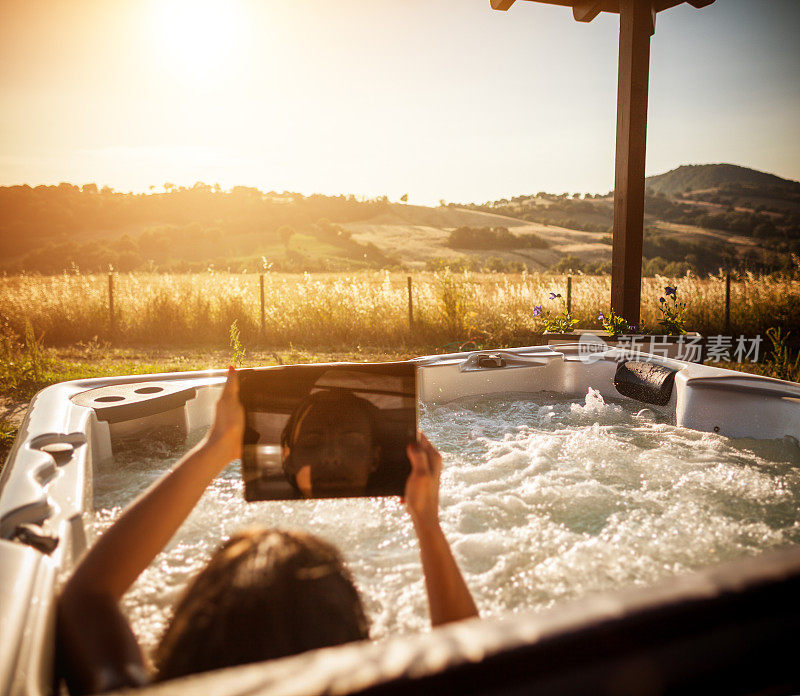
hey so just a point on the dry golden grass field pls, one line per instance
(55, 328)
(341, 312)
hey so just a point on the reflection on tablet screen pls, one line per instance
(327, 431)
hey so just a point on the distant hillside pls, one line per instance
(698, 217)
(732, 218)
(51, 229)
(698, 177)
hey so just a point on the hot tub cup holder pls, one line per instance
(148, 390)
(60, 446)
(117, 403)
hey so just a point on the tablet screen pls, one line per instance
(327, 430)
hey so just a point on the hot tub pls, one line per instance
(691, 629)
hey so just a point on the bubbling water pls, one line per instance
(543, 499)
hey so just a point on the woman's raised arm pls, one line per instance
(449, 597)
(93, 632)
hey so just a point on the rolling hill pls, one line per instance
(700, 177)
(698, 217)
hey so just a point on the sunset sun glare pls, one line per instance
(198, 37)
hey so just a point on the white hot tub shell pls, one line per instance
(46, 503)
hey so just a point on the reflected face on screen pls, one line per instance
(333, 449)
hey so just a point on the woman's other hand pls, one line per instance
(227, 430)
(422, 486)
(449, 598)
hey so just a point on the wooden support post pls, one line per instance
(410, 307)
(569, 294)
(111, 327)
(263, 309)
(727, 304)
(635, 28)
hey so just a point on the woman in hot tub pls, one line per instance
(264, 594)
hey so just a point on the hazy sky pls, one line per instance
(437, 98)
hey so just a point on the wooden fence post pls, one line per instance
(263, 309)
(111, 327)
(410, 307)
(728, 304)
(569, 294)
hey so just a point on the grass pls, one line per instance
(780, 362)
(98, 360)
(58, 328)
(333, 312)
(8, 432)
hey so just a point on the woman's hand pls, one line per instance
(422, 486)
(225, 435)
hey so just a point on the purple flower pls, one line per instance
(553, 295)
(601, 316)
(633, 327)
(537, 311)
(671, 291)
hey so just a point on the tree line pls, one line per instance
(493, 238)
(33, 216)
(49, 229)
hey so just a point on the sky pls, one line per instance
(439, 99)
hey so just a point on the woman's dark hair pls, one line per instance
(264, 594)
(346, 399)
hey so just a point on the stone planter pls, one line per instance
(690, 347)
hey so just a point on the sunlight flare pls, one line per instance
(198, 37)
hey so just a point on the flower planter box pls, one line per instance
(690, 347)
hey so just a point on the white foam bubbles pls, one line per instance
(543, 499)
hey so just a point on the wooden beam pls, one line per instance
(501, 4)
(635, 24)
(583, 9)
(586, 10)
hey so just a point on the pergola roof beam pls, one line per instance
(586, 8)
